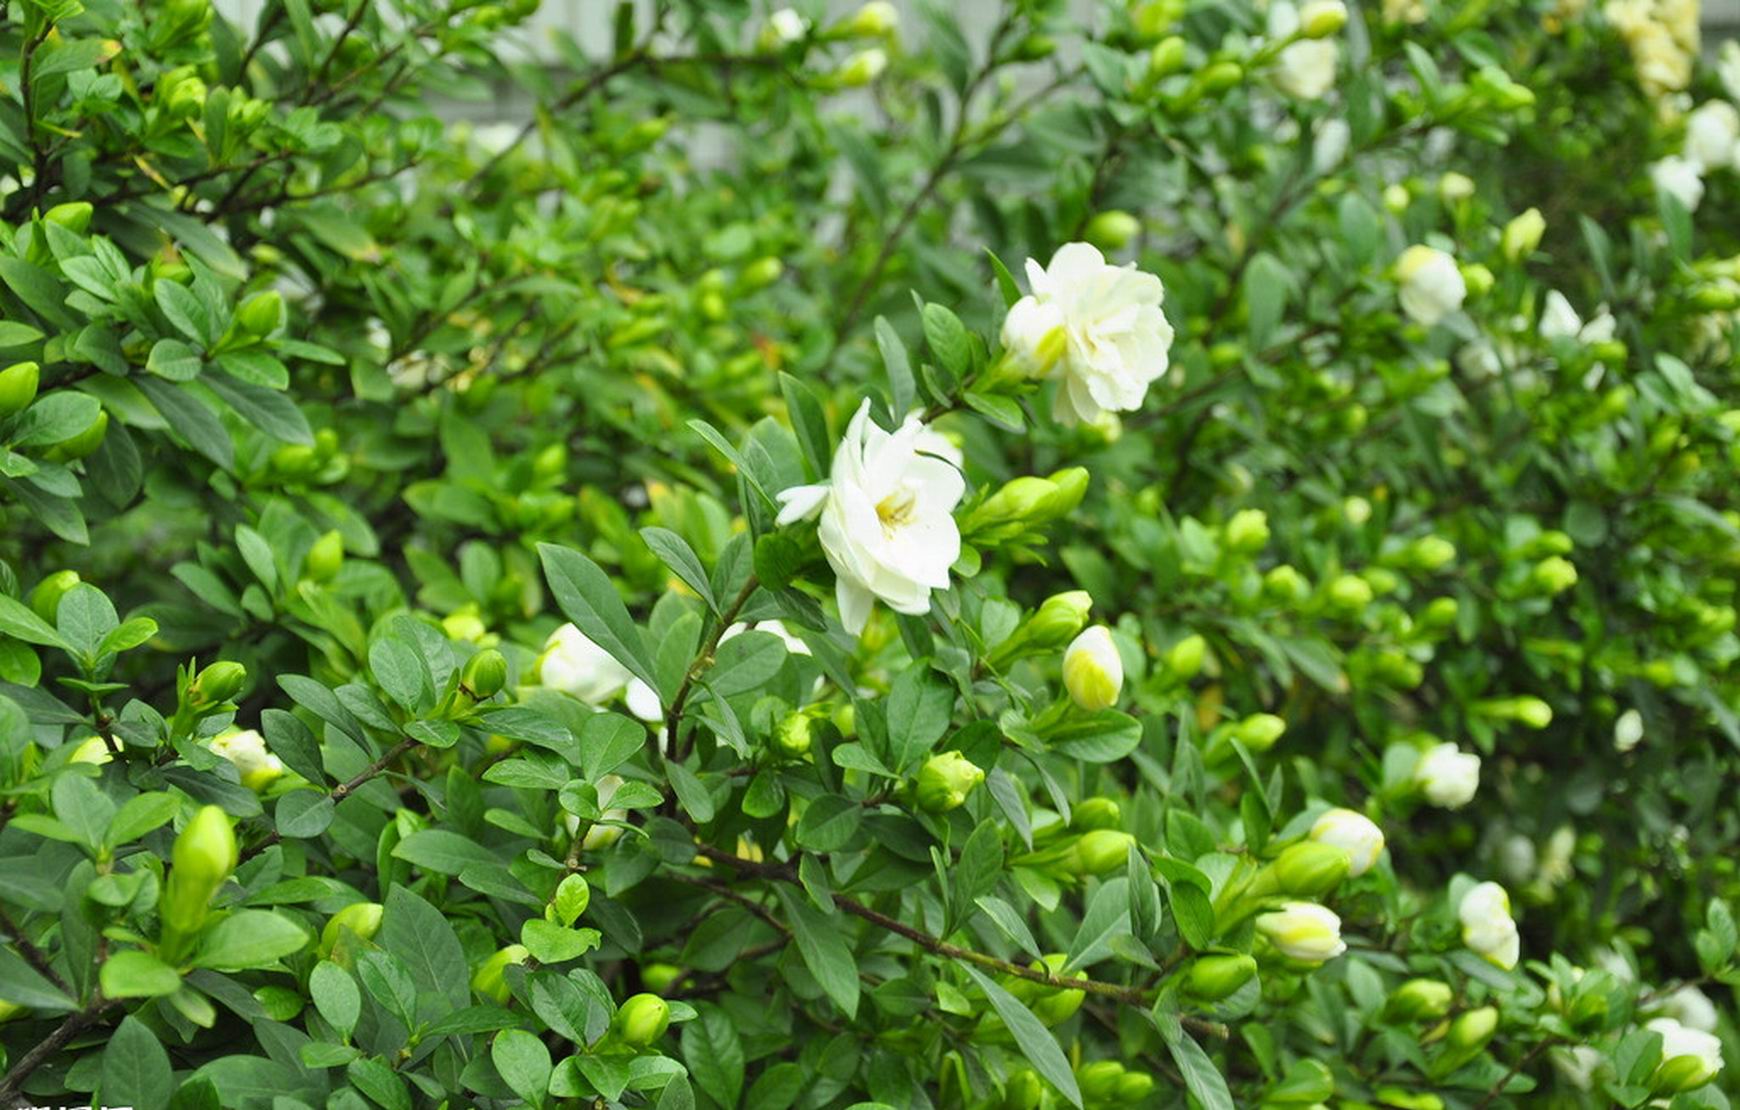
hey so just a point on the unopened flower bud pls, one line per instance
(945, 780)
(660, 977)
(489, 980)
(1447, 776)
(1068, 487)
(325, 558)
(1471, 1030)
(1112, 229)
(1303, 931)
(1167, 57)
(1095, 813)
(1284, 583)
(83, 444)
(1690, 1057)
(1051, 1005)
(1430, 553)
(873, 20)
(1093, 672)
(1350, 593)
(1318, 19)
(485, 673)
(1248, 531)
(1523, 234)
(1440, 612)
(1553, 575)
(1102, 851)
(1059, 619)
(18, 384)
(1310, 869)
(1259, 731)
(1420, 1000)
(763, 271)
(1477, 279)
(218, 683)
(1354, 833)
(1134, 1087)
(791, 737)
(1454, 186)
(1396, 198)
(862, 68)
(1184, 659)
(261, 314)
(1212, 978)
(45, 598)
(643, 1019)
(205, 851)
(361, 918)
(1099, 1080)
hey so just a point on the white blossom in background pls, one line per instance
(1115, 340)
(1303, 931)
(1330, 145)
(1628, 730)
(887, 523)
(1560, 321)
(1690, 1007)
(1448, 776)
(1680, 178)
(1713, 134)
(1304, 69)
(246, 748)
(787, 25)
(1578, 1064)
(1728, 68)
(1680, 1041)
(1487, 927)
(1430, 285)
(573, 664)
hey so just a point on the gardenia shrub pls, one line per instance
(1169, 555)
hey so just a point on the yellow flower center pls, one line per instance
(896, 510)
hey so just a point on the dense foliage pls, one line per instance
(665, 606)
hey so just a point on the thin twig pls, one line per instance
(674, 717)
(12, 1085)
(343, 790)
(32, 954)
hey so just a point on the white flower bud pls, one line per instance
(1303, 931)
(1093, 673)
(1354, 833)
(1487, 927)
(1431, 285)
(1448, 776)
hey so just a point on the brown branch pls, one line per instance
(674, 717)
(32, 954)
(350, 25)
(342, 791)
(1515, 1069)
(12, 1085)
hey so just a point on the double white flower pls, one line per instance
(887, 516)
(1681, 178)
(1431, 286)
(1303, 69)
(1096, 327)
(1487, 927)
(1448, 776)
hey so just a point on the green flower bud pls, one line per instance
(1184, 659)
(218, 683)
(74, 216)
(360, 918)
(1051, 1005)
(1035, 48)
(1553, 575)
(1259, 731)
(763, 271)
(261, 314)
(1112, 229)
(1219, 77)
(1059, 619)
(1476, 279)
(1285, 584)
(1248, 531)
(1019, 500)
(1420, 1000)
(82, 444)
(1523, 234)
(205, 852)
(1093, 671)
(1099, 1080)
(659, 978)
(1350, 593)
(1310, 869)
(485, 673)
(1318, 19)
(1167, 58)
(945, 780)
(1212, 978)
(643, 1019)
(489, 981)
(326, 558)
(1471, 1030)
(862, 68)
(1102, 851)
(1069, 486)
(1024, 1091)
(1095, 813)
(875, 19)
(791, 737)
(1134, 1087)
(45, 598)
(18, 384)
(1440, 612)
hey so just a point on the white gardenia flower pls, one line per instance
(787, 25)
(1431, 287)
(1728, 67)
(887, 523)
(1578, 1064)
(1304, 69)
(1690, 1007)
(1628, 730)
(1095, 327)
(1712, 134)
(642, 700)
(1681, 178)
(1330, 145)
(1093, 672)
(1678, 1041)
(1303, 931)
(575, 665)
(1354, 833)
(1487, 927)
(793, 645)
(246, 748)
(1448, 776)
(1560, 321)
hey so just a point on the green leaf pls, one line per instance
(824, 950)
(18, 621)
(418, 934)
(607, 741)
(829, 823)
(376, 1078)
(441, 851)
(249, 939)
(336, 996)
(1204, 1080)
(184, 311)
(303, 814)
(1032, 1038)
(135, 974)
(140, 814)
(402, 673)
(23, 985)
(587, 597)
(948, 341)
(714, 1054)
(174, 360)
(902, 389)
(918, 714)
(1103, 737)
(56, 417)
(550, 943)
(136, 1070)
(676, 553)
(808, 422)
(523, 1063)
